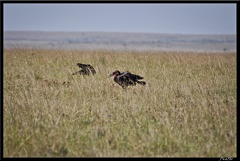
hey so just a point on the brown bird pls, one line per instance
(126, 78)
(86, 69)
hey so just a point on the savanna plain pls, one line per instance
(186, 109)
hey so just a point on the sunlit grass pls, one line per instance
(187, 108)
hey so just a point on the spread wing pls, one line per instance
(83, 66)
(92, 69)
(86, 68)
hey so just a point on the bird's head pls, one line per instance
(115, 73)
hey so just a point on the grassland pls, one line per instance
(187, 108)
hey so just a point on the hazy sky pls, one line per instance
(152, 18)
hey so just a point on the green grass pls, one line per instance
(187, 108)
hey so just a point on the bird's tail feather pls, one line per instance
(141, 82)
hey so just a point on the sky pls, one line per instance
(166, 18)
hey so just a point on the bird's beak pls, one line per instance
(110, 75)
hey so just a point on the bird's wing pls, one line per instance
(92, 69)
(132, 76)
(82, 65)
(135, 77)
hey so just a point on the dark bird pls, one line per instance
(86, 69)
(126, 78)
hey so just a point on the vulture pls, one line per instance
(126, 78)
(86, 69)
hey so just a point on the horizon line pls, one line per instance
(127, 32)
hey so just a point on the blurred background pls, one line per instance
(155, 26)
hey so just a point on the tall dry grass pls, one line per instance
(187, 108)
